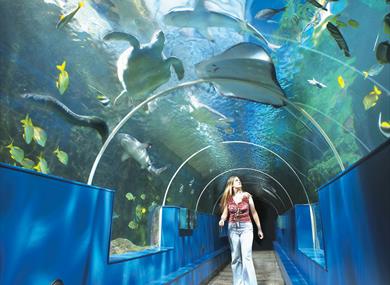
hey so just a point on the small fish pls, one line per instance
(383, 52)
(61, 155)
(229, 130)
(349, 123)
(115, 215)
(316, 4)
(130, 196)
(340, 24)
(373, 71)
(65, 19)
(40, 136)
(386, 21)
(353, 23)
(27, 163)
(384, 127)
(191, 182)
(372, 98)
(133, 225)
(143, 210)
(103, 99)
(316, 83)
(138, 212)
(62, 82)
(181, 188)
(143, 196)
(28, 127)
(341, 82)
(266, 14)
(16, 152)
(336, 34)
(42, 166)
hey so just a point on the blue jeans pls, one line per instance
(241, 239)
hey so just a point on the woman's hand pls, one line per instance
(260, 234)
(221, 223)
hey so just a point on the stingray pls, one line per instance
(244, 71)
(201, 19)
(143, 68)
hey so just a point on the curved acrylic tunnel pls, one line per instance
(191, 119)
(223, 176)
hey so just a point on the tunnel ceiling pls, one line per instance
(329, 122)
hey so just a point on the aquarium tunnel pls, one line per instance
(122, 120)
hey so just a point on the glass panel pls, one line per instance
(314, 249)
(75, 64)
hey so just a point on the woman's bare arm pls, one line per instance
(223, 216)
(255, 217)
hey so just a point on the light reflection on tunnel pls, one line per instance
(237, 169)
(236, 142)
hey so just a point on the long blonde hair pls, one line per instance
(228, 192)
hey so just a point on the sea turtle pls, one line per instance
(143, 68)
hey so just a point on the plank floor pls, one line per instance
(266, 267)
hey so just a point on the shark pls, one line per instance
(205, 114)
(138, 151)
(201, 19)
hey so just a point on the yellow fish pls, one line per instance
(16, 152)
(64, 19)
(27, 163)
(42, 165)
(370, 100)
(62, 82)
(61, 155)
(40, 136)
(353, 23)
(28, 129)
(341, 81)
(130, 196)
(132, 225)
(385, 125)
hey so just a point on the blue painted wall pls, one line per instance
(53, 228)
(355, 213)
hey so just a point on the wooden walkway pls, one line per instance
(266, 267)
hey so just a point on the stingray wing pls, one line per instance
(244, 71)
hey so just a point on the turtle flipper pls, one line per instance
(177, 66)
(159, 41)
(120, 36)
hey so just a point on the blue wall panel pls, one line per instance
(47, 228)
(355, 211)
(53, 228)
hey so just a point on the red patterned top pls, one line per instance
(239, 212)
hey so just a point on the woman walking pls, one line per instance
(235, 205)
